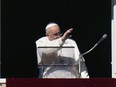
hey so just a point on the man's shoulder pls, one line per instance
(41, 39)
(71, 40)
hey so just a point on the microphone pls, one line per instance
(103, 37)
(81, 55)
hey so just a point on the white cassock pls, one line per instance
(60, 59)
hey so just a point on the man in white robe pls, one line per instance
(58, 56)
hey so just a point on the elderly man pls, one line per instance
(58, 56)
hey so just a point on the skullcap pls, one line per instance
(50, 25)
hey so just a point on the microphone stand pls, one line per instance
(81, 55)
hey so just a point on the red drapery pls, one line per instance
(35, 82)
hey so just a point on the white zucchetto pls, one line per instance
(50, 25)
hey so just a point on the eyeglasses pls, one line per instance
(58, 34)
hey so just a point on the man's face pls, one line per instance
(54, 33)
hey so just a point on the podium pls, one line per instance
(57, 60)
(59, 68)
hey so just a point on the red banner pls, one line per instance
(35, 82)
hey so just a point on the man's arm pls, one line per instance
(83, 68)
(67, 34)
(49, 47)
(84, 72)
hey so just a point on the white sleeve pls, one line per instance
(43, 47)
(49, 47)
(83, 68)
(76, 52)
(84, 72)
(38, 55)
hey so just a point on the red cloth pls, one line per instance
(35, 82)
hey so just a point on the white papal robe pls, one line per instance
(60, 59)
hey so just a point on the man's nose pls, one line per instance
(58, 36)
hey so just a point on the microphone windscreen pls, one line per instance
(104, 36)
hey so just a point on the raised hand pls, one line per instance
(67, 34)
